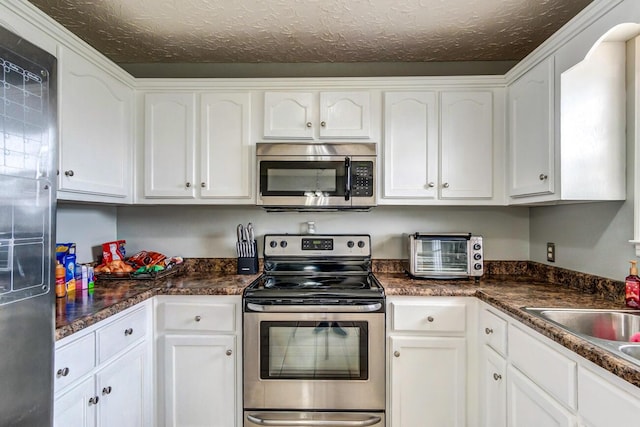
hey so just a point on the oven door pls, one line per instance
(301, 181)
(314, 361)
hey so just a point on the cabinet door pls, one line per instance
(169, 145)
(74, 407)
(466, 167)
(123, 392)
(226, 156)
(288, 115)
(529, 406)
(96, 130)
(531, 135)
(494, 386)
(428, 381)
(345, 115)
(410, 145)
(200, 373)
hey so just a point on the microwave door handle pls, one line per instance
(347, 171)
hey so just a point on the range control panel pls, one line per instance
(309, 244)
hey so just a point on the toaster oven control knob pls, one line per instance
(477, 257)
(273, 243)
(476, 246)
(283, 244)
(361, 244)
(477, 266)
(350, 243)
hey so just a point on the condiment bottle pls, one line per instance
(61, 288)
(632, 286)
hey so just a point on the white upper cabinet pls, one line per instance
(443, 147)
(96, 132)
(311, 115)
(197, 147)
(169, 145)
(531, 132)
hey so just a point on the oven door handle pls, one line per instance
(373, 420)
(284, 308)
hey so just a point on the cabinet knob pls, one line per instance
(497, 377)
(128, 331)
(203, 185)
(68, 173)
(198, 318)
(323, 123)
(229, 352)
(188, 185)
(430, 319)
(431, 185)
(63, 372)
(309, 124)
(445, 185)
(106, 390)
(396, 354)
(488, 331)
(542, 177)
(94, 400)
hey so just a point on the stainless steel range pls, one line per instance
(314, 335)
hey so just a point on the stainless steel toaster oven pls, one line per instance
(443, 255)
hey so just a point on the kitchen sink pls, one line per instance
(608, 329)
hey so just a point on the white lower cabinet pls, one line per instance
(494, 385)
(428, 361)
(115, 391)
(198, 355)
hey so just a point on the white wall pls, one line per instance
(89, 226)
(210, 231)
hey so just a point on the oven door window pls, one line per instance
(331, 350)
(442, 256)
(302, 178)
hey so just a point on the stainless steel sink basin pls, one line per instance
(608, 329)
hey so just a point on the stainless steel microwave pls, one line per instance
(316, 176)
(444, 255)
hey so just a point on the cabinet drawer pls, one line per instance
(73, 361)
(549, 369)
(428, 317)
(120, 334)
(493, 331)
(197, 317)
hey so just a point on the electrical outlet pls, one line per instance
(551, 252)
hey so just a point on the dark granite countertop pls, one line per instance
(508, 293)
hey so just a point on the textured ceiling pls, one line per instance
(289, 31)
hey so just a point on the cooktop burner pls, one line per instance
(315, 282)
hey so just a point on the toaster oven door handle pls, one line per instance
(343, 308)
(256, 419)
(347, 172)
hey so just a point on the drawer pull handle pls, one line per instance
(63, 372)
(106, 390)
(430, 319)
(309, 124)
(94, 400)
(128, 331)
(497, 377)
(323, 124)
(488, 331)
(68, 173)
(198, 318)
(229, 352)
(396, 353)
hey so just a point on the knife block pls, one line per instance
(249, 265)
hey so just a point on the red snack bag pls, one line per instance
(146, 258)
(113, 251)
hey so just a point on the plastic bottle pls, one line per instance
(61, 288)
(632, 286)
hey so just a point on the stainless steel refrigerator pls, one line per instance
(28, 139)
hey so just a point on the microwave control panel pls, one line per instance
(361, 179)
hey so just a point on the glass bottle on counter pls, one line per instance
(632, 286)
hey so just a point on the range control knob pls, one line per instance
(361, 244)
(273, 243)
(350, 243)
(477, 257)
(283, 244)
(476, 246)
(477, 266)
